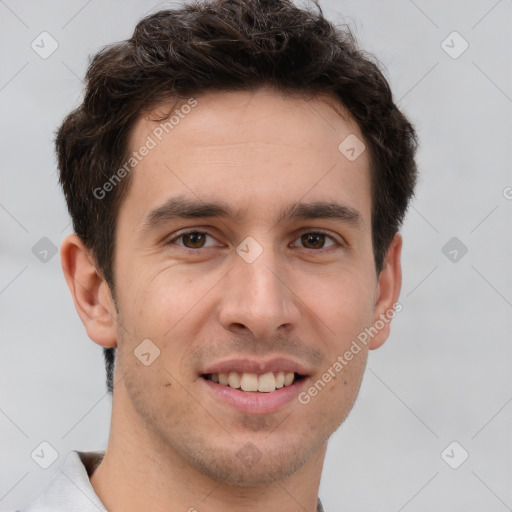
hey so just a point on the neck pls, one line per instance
(137, 472)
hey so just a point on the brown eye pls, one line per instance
(316, 240)
(192, 240)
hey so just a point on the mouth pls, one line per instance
(255, 387)
(253, 382)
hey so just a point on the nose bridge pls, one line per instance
(262, 279)
(257, 296)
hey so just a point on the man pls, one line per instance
(237, 175)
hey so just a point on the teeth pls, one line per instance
(249, 382)
(265, 383)
(234, 380)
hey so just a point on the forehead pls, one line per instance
(252, 149)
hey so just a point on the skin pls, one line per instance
(173, 444)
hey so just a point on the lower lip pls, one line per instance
(254, 402)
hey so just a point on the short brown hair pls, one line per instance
(226, 45)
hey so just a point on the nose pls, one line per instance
(258, 298)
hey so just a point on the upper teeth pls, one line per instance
(265, 383)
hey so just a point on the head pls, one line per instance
(251, 105)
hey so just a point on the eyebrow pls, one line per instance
(185, 208)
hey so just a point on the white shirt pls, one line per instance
(70, 490)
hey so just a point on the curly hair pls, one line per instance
(226, 45)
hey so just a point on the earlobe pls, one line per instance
(91, 294)
(388, 291)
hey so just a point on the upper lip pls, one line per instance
(245, 365)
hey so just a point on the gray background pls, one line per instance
(443, 376)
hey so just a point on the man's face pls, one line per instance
(262, 293)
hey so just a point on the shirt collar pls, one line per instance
(70, 490)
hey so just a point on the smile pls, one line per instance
(253, 382)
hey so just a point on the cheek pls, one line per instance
(160, 300)
(345, 305)
(336, 387)
(170, 308)
(332, 393)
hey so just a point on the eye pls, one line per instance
(195, 240)
(192, 239)
(316, 239)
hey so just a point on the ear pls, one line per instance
(91, 294)
(388, 291)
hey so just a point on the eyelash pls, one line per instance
(337, 245)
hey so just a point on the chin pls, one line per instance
(238, 469)
(249, 460)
